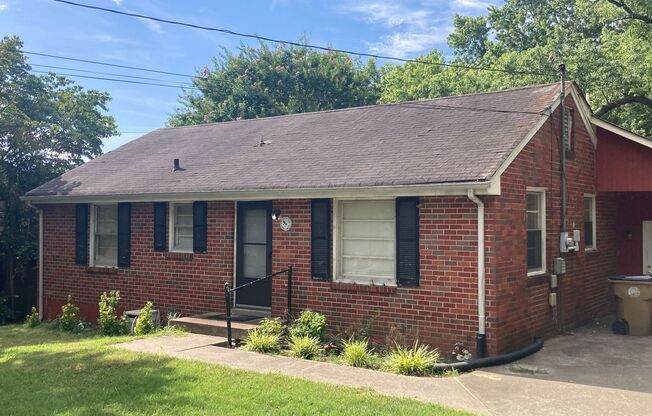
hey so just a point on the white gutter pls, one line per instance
(40, 264)
(481, 338)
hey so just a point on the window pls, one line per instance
(568, 129)
(365, 242)
(589, 222)
(105, 236)
(536, 230)
(182, 227)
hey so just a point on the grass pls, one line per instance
(46, 372)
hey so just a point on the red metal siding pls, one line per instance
(633, 208)
(621, 164)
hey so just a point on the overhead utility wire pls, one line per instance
(292, 43)
(114, 79)
(106, 73)
(108, 64)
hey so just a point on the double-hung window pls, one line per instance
(536, 231)
(366, 241)
(181, 225)
(105, 232)
(589, 222)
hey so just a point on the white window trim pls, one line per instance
(544, 220)
(91, 242)
(337, 256)
(171, 232)
(595, 222)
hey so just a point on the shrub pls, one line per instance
(271, 326)
(356, 353)
(32, 320)
(69, 318)
(145, 323)
(108, 322)
(309, 324)
(6, 314)
(304, 347)
(259, 341)
(415, 361)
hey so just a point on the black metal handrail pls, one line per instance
(228, 297)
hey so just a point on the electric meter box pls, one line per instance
(559, 266)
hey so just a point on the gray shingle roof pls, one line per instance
(420, 142)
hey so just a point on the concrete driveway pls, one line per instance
(586, 372)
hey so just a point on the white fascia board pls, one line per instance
(585, 112)
(373, 192)
(621, 132)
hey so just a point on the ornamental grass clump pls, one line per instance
(145, 322)
(260, 341)
(69, 318)
(303, 347)
(108, 322)
(416, 361)
(309, 324)
(356, 353)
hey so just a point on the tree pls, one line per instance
(47, 126)
(262, 82)
(605, 44)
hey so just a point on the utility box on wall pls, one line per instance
(569, 242)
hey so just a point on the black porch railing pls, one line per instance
(228, 297)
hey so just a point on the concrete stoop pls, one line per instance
(213, 323)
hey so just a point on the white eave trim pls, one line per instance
(621, 132)
(372, 192)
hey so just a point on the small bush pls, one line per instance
(415, 361)
(69, 318)
(6, 314)
(271, 326)
(304, 347)
(145, 323)
(259, 341)
(356, 353)
(32, 320)
(108, 322)
(309, 324)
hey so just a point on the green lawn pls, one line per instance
(46, 372)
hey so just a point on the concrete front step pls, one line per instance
(207, 324)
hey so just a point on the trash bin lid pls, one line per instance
(642, 278)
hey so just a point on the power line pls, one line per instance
(114, 80)
(106, 73)
(291, 43)
(108, 64)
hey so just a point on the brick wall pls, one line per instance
(518, 307)
(189, 283)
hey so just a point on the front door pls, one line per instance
(254, 253)
(647, 246)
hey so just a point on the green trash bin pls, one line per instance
(634, 295)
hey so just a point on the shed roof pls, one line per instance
(438, 141)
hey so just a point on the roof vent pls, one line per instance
(176, 166)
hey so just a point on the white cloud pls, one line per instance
(117, 2)
(152, 25)
(3, 7)
(107, 38)
(412, 29)
(471, 4)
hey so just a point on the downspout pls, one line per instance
(40, 264)
(481, 337)
(562, 175)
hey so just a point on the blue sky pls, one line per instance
(397, 28)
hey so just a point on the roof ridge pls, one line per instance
(334, 110)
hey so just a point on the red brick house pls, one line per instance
(437, 219)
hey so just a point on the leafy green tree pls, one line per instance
(47, 125)
(605, 44)
(263, 81)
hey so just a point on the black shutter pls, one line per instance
(407, 241)
(321, 238)
(81, 234)
(160, 219)
(199, 227)
(124, 234)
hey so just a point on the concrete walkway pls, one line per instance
(597, 385)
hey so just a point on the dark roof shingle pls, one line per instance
(421, 142)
